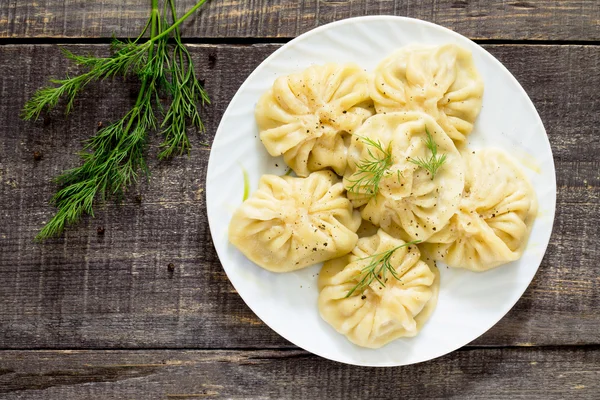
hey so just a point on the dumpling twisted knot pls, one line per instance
(308, 117)
(380, 313)
(494, 218)
(290, 223)
(439, 80)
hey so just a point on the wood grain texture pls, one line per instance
(475, 374)
(497, 19)
(86, 290)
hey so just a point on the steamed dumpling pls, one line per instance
(408, 202)
(381, 313)
(439, 80)
(308, 117)
(290, 223)
(495, 216)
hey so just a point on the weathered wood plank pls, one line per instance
(115, 291)
(498, 19)
(475, 374)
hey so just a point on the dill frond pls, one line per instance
(371, 170)
(113, 158)
(187, 93)
(377, 269)
(434, 162)
(111, 161)
(130, 58)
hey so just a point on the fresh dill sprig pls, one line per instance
(111, 161)
(434, 162)
(113, 157)
(130, 57)
(187, 93)
(371, 170)
(377, 269)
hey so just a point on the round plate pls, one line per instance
(469, 303)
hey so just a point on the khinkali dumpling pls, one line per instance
(378, 313)
(407, 202)
(495, 215)
(439, 80)
(308, 117)
(290, 223)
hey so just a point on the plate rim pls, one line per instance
(393, 19)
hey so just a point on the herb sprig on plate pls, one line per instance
(377, 269)
(434, 161)
(371, 170)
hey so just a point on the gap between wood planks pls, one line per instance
(278, 40)
(487, 373)
(293, 350)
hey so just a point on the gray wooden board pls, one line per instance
(115, 291)
(485, 374)
(497, 19)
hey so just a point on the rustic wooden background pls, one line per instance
(91, 316)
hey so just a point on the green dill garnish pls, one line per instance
(434, 162)
(377, 269)
(246, 184)
(371, 170)
(113, 157)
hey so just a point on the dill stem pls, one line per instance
(179, 21)
(154, 15)
(177, 35)
(173, 13)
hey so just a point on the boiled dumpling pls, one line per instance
(290, 223)
(495, 216)
(439, 80)
(380, 313)
(308, 117)
(407, 201)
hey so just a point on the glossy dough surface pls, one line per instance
(380, 314)
(495, 216)
(308, 117)
(409, 203)
(290, 223)
(475, 212)
(439, 80)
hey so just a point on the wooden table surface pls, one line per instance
(102, 317)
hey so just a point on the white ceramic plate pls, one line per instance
(469, 303)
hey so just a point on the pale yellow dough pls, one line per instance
(290, 223)
(382, 313)
(308, 117)
(439, 80)
(495, 215)
(409, 203)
